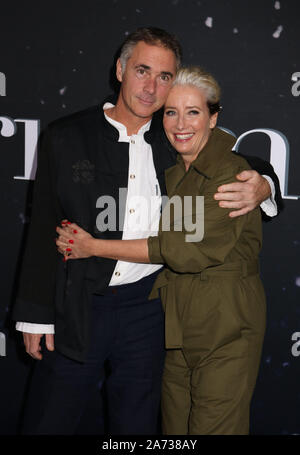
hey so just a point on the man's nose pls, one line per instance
(150, 85)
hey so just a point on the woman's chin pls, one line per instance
(182, 149)
(184, 154)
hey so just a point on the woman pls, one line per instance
(210, 287)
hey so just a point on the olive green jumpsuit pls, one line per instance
(213, 299)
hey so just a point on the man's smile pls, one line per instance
(145, 100)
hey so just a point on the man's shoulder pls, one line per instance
(77, 119)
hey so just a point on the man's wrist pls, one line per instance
(271, 187)
(269, 205)
(31, 327)
(268, 190)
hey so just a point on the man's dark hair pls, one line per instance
(153, 36)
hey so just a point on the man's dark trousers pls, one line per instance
(127, 331)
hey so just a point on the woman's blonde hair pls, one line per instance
(197, 77)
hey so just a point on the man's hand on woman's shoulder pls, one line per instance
(245, 195)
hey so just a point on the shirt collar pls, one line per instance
(123, 137)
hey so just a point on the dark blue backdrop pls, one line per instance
(55, 58)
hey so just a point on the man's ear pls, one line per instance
(213, 120)
(119, 70)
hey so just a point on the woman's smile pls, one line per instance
(183, 137)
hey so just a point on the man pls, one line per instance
(100, 307)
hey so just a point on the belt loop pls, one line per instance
(244, 269)
(203, 276)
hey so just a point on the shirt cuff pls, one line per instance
(29, 327)
(269, 206)
(154, 250)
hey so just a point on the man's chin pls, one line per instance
(144, 109)
(146, 112)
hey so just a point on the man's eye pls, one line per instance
(141, 71)
(165, 77)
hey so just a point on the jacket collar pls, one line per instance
(156, 127)
(109, 131)
(217, 147)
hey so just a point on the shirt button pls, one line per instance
(131, 211)
(132, 176)
(132, 141)
(117, 273)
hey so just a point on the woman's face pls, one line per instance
(187, 121)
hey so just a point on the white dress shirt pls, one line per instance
(143, 202)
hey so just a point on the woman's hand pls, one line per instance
(73, 241)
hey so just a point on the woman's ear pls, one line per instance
(119, 70)
(213, 120)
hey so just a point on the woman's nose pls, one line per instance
(180, 122)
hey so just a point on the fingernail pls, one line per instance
(69, 222)
(68, 249)
(75, 231)
(71, 241)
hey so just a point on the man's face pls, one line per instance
(147, 79)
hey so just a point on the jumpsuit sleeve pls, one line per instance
(220, 233)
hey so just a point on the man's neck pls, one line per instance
(127, 118)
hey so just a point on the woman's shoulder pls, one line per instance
(231, 165)
(237, 160)
(229, 158)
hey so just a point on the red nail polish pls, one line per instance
(75, 231)
(71, 241)
(68, 249)
(69, 222)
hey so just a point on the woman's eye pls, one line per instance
(169, 113)
(194, 112)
